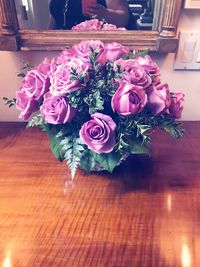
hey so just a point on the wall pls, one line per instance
(184, 81)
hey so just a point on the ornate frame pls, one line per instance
(163, 39)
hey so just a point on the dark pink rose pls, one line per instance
(159, 98)
(83, 50)
(176, 106)
(115, 51)
(93, 24)
(129, 99)
(60, 79)
(35, 85)
(133, 73)
(150, 67)
(26, 104)
(99, 133)
(56, 109)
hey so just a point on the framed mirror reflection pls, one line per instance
(65, 14)
(53, 24)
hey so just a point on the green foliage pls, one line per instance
(95, 102)
(56, 147)
(9, 102)
(87, 160)
(108, 161)
(137, 148)
(172, 127)
(143, 131)
(24, 69)
(38, 121)
(139, 53)
(75, 99)
(73, 148)
(133, 137)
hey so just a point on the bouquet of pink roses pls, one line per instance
(95, 24)
(98, 103)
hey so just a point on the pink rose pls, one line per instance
(26, 104)
(65, 56)
(109, 27)
(56, 109)
(115, 51)
(176, 106)
(93, 24)
(99, 133)
(150, 67)
(44, 68)
(133, 73)
(129, 99)
(112, 27)
(60, 79)
(35, 85)
(83, 50)
(159, 98)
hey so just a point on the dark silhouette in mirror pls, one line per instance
(67, 13)
(64, 14)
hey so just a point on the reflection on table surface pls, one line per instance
(144, 215)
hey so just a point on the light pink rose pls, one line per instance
(56, 109)
(176, 106)
(115, 51)
(93, 24)
(99, 133)
(35, 85)
(112, 27)
(44, 68)
(83, 50)
(65, 56)
(150, 67)
(60, 79)
(25, 104)
(133, 73)
(159, 98)
(129, 99)
(109, 27)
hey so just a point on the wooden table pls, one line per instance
(147, 214)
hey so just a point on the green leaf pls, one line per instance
(108, 161)
(95, 102)
(9, 102)
(56, 147)
(73, 149)
(143, 131)
(75, 100)
(173, 129)
(87, 161)
(139, 54)
(137, 148)
(38, 121)
(24, 69)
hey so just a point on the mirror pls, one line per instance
(64, 14)
(24, 23)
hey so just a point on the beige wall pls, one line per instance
(184, 81)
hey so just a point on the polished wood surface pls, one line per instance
(147, 214)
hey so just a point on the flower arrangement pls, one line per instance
(95, 24)
(98, 103)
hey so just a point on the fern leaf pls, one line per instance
(73, 148)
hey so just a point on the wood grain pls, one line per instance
(144, 215)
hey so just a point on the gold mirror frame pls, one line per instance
(163, 39)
